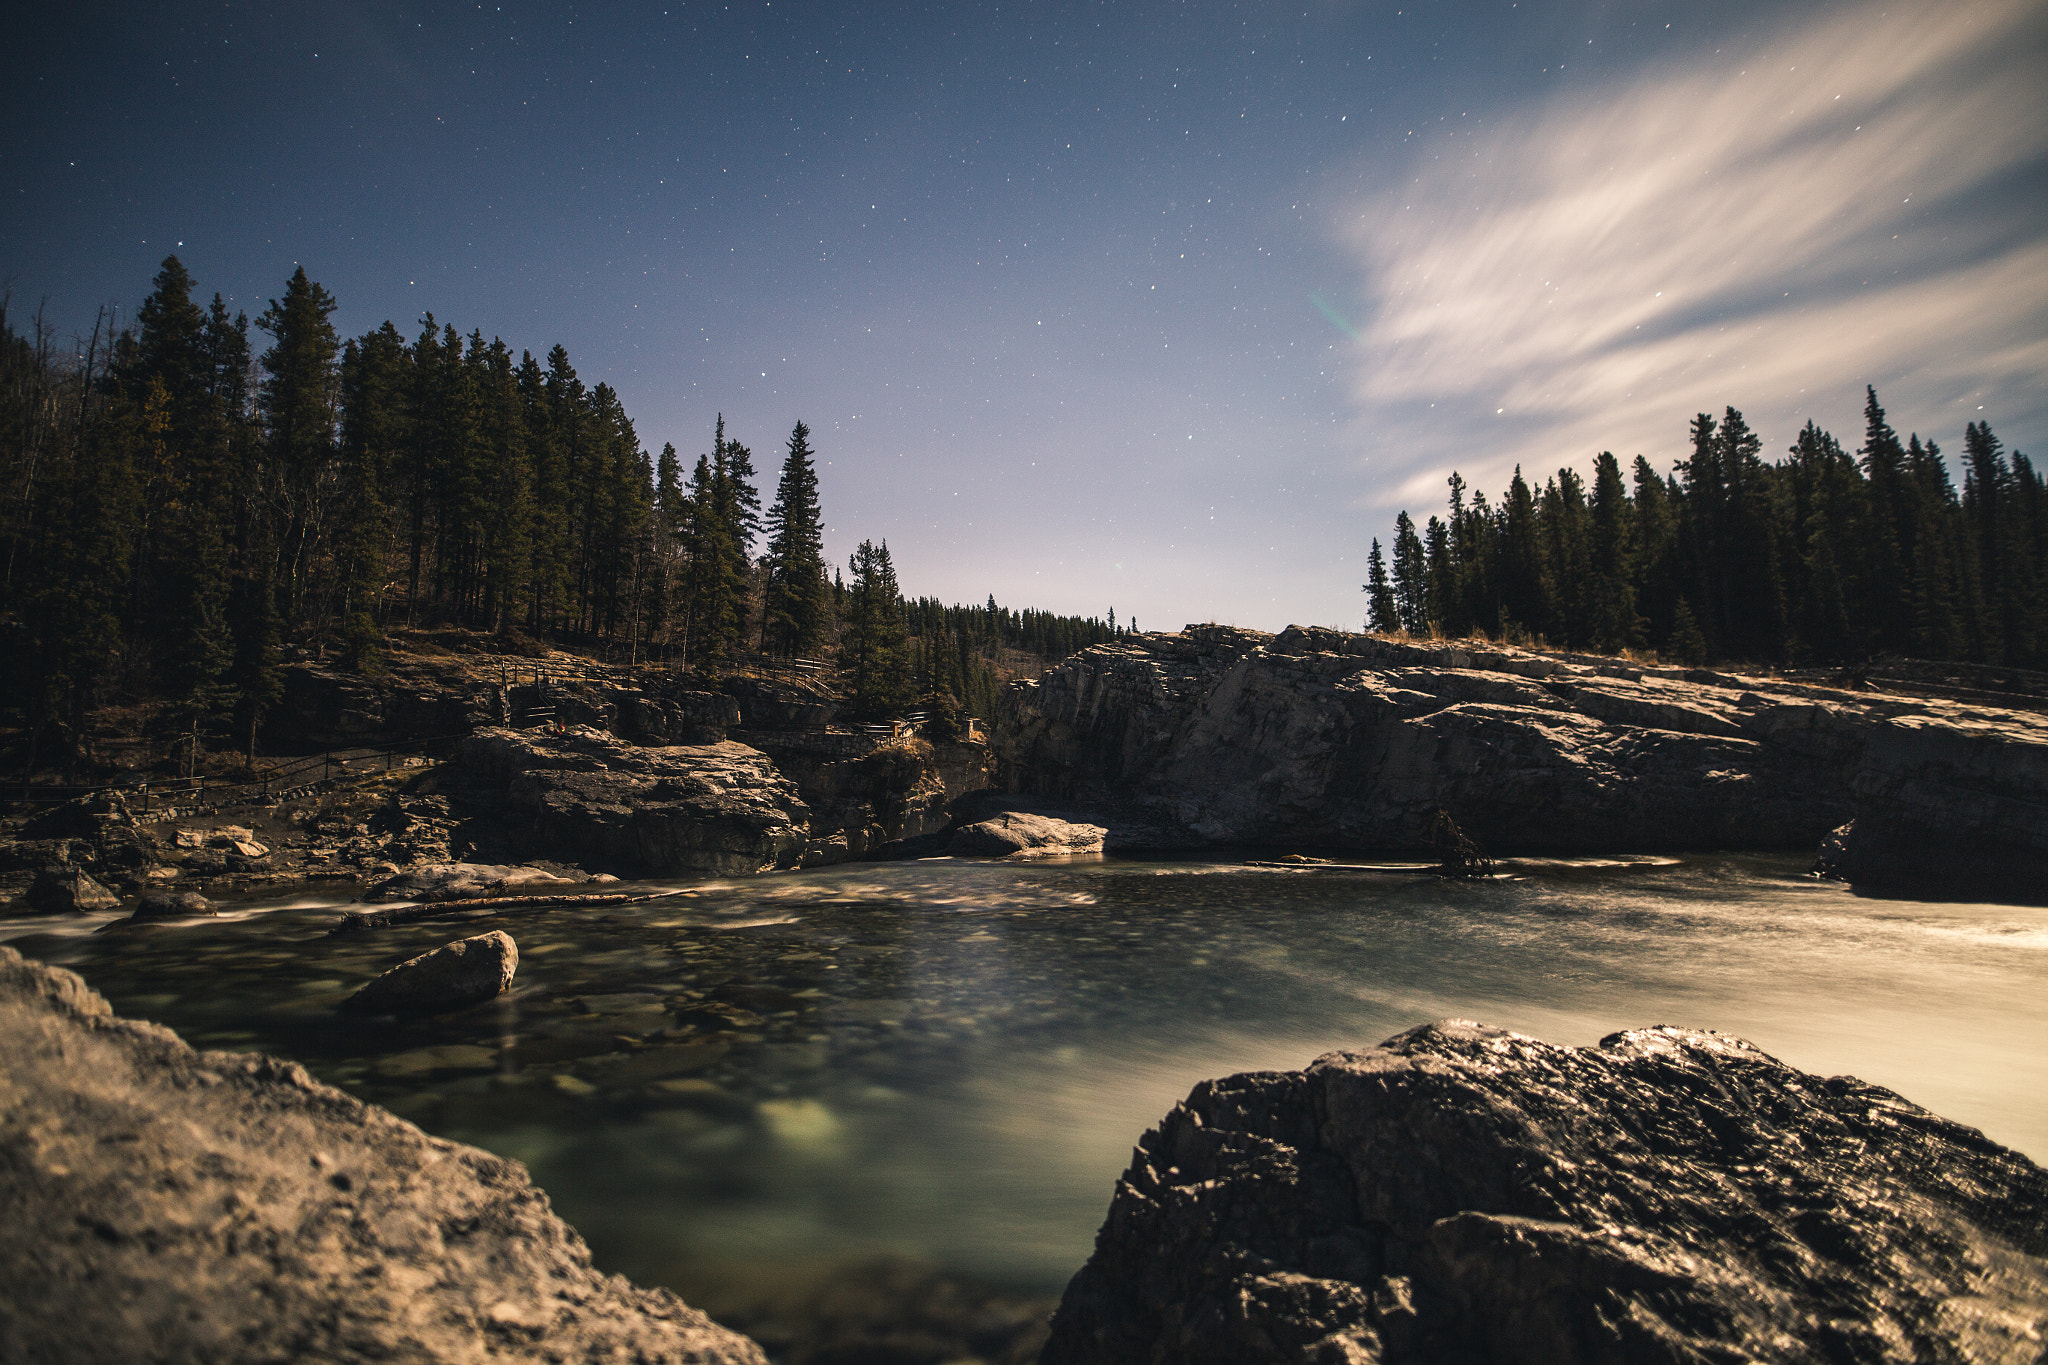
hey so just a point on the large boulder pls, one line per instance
(1464, 1193)
(465, 972)
(587, 796)
(64, 891)
(1021, 834)
(170, 1205)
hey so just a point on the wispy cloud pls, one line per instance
(1770, 227)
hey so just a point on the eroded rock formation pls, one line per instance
(1463, 1193)
(1318, 737)
(718, 808)
(171, 1205)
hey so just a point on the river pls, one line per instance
(951, 1059)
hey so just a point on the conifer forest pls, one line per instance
(189, 502)
(1820, 558)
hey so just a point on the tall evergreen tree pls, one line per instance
(298, 401)
(873, 648)
(1411, 576)
(1383, 613)
(797, 599)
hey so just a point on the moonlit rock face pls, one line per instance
(1461, 1192)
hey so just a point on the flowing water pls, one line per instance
(952, 1059)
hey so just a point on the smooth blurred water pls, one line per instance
(952, 1059)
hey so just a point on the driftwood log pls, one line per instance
(360, 921)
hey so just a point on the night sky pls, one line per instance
(1159, 307)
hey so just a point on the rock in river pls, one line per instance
(164, 904)
(455, 974)
(171, 1205)
(1022, 834)
(1463, 1193)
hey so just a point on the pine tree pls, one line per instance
(298, 402)
(1411, 576)
(1383, 613)
(1687, 645)
(797, 602)
(872, 649)
(1611, 621)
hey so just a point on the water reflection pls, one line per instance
(951, 1060)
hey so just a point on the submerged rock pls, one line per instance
(1022, 834)
(1464, 1193)
(461, 973)
(166, 1204)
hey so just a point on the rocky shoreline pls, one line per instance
(1307, 741)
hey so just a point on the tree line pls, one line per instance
(185, 500)
(1818, 558)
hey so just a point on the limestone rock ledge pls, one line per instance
(1321, 738)
(1461, 1193)
(170, 1205)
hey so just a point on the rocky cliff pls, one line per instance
(1463, 1193)
(1316, 737)
(169, 1205)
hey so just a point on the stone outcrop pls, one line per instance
(97, 835)
(1021, 834)
(165, 1204)
(464, 972)
(410, 700)
(1949, 807)
(1463, 1193)
(65, 891)
(1315, 737)
(587, 796)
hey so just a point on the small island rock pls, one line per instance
(1015, 833)
(456, 974)
(173, 905)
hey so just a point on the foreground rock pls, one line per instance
(1463, 1193)
(165, 1204)
(465, 972)
(717, 808)
(1315, 737)
(1021, 834)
